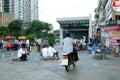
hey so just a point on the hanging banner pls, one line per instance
(112, 33)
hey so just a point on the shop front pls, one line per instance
(76, 26)
(111, 33)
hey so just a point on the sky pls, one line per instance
(50, 10)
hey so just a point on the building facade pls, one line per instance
(106, 12)
(76, 26)
(34, 10)
(5, 16)
(108, 22)
(0, 5)
(25, 10)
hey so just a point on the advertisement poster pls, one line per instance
(112, 33)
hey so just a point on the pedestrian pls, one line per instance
(107, 45)
(15, 43)
(4, 46)
(22, 53)
(44, 51)
(38, 44)
(52, 52)
(81, 43)
(117, 49)
(27, 44)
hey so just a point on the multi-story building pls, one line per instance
(109, 22)
(25, 10)
(12, 6)
(106, 12)
(5, 6)
(34, 9)
(5, 16)
(0, 5)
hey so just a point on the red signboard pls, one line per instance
(112, 33)
(116, 5)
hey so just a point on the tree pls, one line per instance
(15, 27)
(3, 31)
(57, 36)
(31, 37)
(51, 38)
(39, 28)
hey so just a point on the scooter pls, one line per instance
(69, 59)
(94, 48)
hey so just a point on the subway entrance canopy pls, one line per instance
(76, 26)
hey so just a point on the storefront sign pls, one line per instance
(111, 23)
(116, 5)
(112, 33)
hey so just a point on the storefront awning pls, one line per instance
(22, 37)
(73, 22)
(10, 37)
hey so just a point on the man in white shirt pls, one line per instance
(44, 51)
(68, 44)
(22, 53)
(52, 52)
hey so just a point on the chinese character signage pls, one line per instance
(116, 5)
(112, 33)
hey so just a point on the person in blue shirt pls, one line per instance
(15, 44)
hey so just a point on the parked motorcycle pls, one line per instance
(95, 48)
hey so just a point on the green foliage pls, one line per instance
(39, 28)
(31, 36)
(33, 29)
(15, 27)
(57, 34)
(51, 38)
(3, 31)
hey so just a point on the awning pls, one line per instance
(22, 37)
(73, 22)
(10, 37)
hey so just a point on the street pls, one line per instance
(87, 68)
